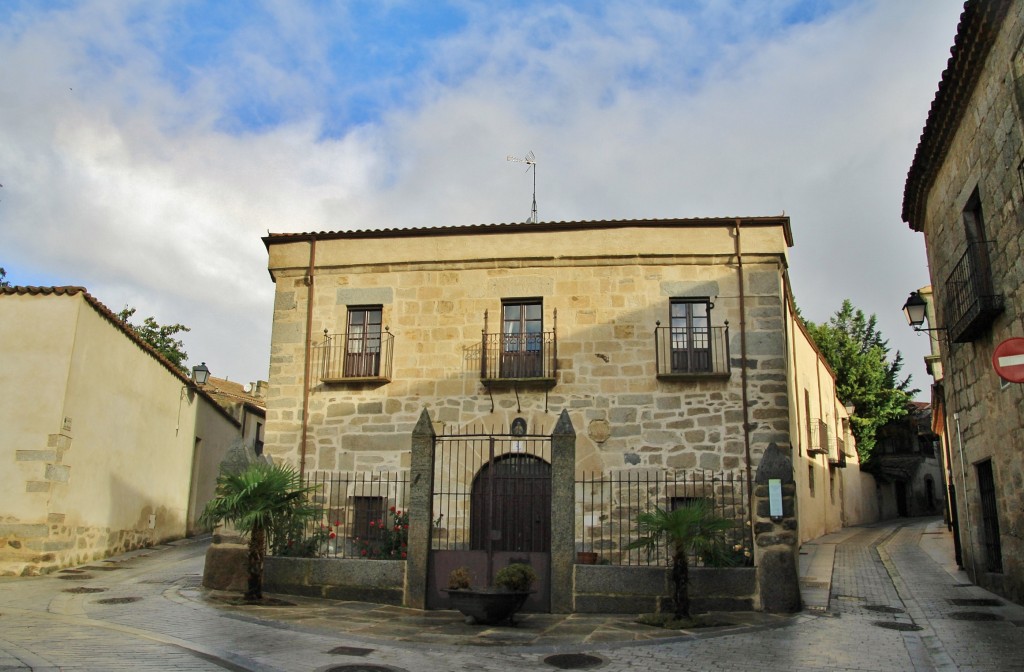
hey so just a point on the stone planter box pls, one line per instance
(379, 581)
(611, 589)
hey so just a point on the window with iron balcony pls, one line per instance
(522, 352)
(361, 354)
(971, 301)
(690, 347)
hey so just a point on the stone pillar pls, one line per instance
(775, 538)
(420, 508)
(563, 513)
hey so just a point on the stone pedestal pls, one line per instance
(775, 537)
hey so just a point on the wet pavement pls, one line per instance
(882, 597)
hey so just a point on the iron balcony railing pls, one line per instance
(839, 460)
(971, 300)
(519, 357)
(355, 357)
(819, 437)
(692, 353)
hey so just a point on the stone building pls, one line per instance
(964, 192)
(105, 446)
(672, 345)
(907, 465)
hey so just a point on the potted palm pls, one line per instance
(257, 501)
(692, 528)
(494, 604)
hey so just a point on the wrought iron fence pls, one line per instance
(607, 506)
(364, 514)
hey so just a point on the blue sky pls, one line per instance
(145, 146)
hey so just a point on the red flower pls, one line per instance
(392, 509)
(372, 523)
(337, 523)
(364, 552)
(398, 513)
(332, 535)
(405, 527)
(403, 555)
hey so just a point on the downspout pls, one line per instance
(743, 370)
(309, 347)
(966, 500)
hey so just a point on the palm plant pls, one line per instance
(692, 528)
(257, 501)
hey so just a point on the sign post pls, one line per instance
(1008, 360)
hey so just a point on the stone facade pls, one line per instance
(964, 193)
(603, 291)
(603, 288)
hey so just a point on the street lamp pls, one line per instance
(200, 374)
(914, 309)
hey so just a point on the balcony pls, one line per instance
(692, 354)
(839, 460)
(818, 438)
(971, 301)
(519, 359)
(355, 357)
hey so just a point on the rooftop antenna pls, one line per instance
(531, 162)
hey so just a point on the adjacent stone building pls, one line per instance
(965, 192)
(672, 344)
(105, 446)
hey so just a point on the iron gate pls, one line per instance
(491, 507)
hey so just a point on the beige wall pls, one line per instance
(103, 437)
(839, 496)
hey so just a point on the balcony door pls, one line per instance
(522, 338)
(690, 324)
(362, 342)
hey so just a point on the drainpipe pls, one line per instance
(309, 346)
(966, 500)
(743, 370)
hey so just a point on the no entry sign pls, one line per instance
(1008, 360)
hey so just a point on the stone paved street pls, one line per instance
(879, 598)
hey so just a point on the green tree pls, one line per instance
(257, 501)
(161, 337)
(3, 278)
(693, 528)
(865, 376)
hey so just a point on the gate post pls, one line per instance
(775, 533)
(563, 513)
(420, 508)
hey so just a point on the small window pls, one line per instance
(810, 478)
(522, 338)
(362, 342)
(690, 334)
(369, 518)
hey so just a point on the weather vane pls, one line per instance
(531, 162)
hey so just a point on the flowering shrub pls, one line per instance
(388, 540)
(297, 543)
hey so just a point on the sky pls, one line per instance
(147, 146)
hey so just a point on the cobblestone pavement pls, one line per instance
(890, 602)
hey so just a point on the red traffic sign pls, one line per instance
(1008, 360)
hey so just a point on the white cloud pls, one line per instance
(145, 190)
